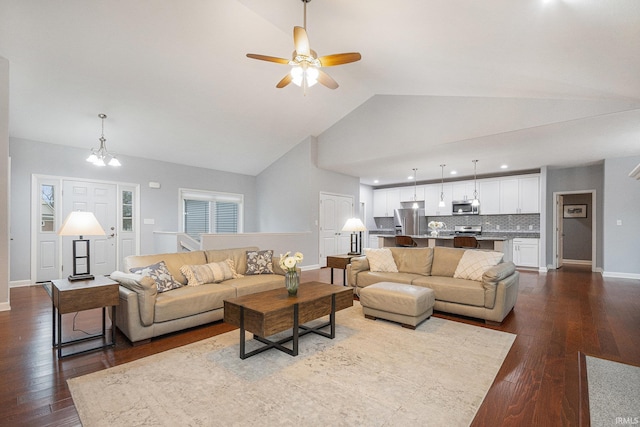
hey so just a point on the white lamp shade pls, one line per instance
(354, 224)
(81, 224)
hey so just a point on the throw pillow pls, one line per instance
(381, 260)
(232, 266)
(259, 262)
(214, 272)
(474, 263)
(160, 273)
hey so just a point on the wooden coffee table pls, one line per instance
(270, 312)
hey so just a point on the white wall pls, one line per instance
(161, 205)
(621, 202)
(288, 195)
(4, 184)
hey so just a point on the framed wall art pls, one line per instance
(574, 211)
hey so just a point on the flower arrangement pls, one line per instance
(291, 279)
(435, 225)
(289, 263)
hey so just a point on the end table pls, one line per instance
(340, 261)
(69, 297)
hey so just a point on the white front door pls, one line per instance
(334, 212)
(101, 200)
(116, 206)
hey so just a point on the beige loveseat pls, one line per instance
(144, 313)
(491, 298)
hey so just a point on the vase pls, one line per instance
(434, 233)
(291, 281)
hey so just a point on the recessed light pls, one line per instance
(375, 181)
(453, 172)
(410, 177)
(504, 166)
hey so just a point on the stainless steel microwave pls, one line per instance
(464, 207)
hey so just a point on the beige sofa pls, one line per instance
(144, 313)
(490, 299)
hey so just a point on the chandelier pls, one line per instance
(102, 157)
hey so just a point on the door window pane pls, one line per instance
(47, 208)
(127, 210)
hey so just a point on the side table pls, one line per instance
(340, 261)
(69, 297)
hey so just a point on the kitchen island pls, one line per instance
(498, 244)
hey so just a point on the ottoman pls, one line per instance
(405, 304)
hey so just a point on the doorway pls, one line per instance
(335, 209)
(115, 205)
(574, 224)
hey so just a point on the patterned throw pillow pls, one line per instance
(214, 272)
(259, 262)
(159, 273)
(381, 260)
(474, 263)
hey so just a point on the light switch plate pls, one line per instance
(149, 221)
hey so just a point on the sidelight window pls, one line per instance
(47, 208)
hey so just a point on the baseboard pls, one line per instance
(20, 283)
(543, 269)
(5, 306)
(620, 275)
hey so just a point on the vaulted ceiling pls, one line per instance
(523, 83)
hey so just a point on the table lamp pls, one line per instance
(81, 224)
(355, 225)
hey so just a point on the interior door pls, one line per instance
(559, 231)
(101, 200)
(334, 212)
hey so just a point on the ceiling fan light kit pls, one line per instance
(305, 71)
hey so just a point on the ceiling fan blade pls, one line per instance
(327, 80)
(267, 58)
(339, 59)
(301, 41)
(285, 81)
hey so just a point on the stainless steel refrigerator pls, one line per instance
(410, 222)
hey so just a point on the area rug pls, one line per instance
(374, 373)
(614, 392)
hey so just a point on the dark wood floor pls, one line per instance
(557, 315)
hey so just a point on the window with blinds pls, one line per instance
(211, 212)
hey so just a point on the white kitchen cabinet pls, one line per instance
(489, 195)
(379, 203)
(520, 195)
(432, 199)
(529, 194)
(463, 190)
(385, 201)
(407, 193)
(373, 241)
(525, 252)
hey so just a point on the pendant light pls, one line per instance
(415, 187)
(99, 156)
(475, 201)
(441, 203)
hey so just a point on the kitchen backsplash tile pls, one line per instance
(490, 223)
(493, 223)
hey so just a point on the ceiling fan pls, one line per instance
(305, 63)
